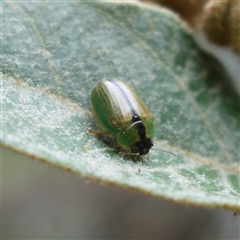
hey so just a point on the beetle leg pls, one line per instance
(117, 149)
(129, 154)
(135, 156)
(95, 132)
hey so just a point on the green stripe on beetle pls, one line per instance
(122, 114)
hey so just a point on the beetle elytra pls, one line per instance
(122, 114)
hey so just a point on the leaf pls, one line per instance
(54, 53)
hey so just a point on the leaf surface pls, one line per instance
(54, 53)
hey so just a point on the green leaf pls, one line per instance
(54, 53)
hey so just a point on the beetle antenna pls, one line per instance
(168, 152)
(164, 151)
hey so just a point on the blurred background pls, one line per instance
(40, 201)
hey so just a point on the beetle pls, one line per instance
(122, 114)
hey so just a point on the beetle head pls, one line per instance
(142, 146)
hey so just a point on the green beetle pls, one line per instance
(122, 114)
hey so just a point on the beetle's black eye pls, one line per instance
(142, 147)
(134, 149)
